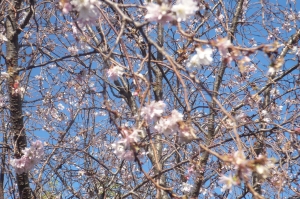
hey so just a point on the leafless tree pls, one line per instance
(97, 81)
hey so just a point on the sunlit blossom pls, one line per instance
(87, 10)
(184, 8)
(3, 37)
(159, 13)
(227, 182)
(153, 110)
(185, 187)
(115, 72)
(168, 125)
(31, 156)
(203, 57)
(223, 44)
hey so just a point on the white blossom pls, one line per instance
(3, 37)
(184, 8)
(87, 9)
(227, 181)
(203, 57)
(153, 110)
(185, 187)
(115, 72)
(159, 13)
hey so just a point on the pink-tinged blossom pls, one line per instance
(121, 152)
(228, 182)
(87, 9)
(184, 9)
(4, 75)
(31, 156)
(119, 149)
(168, 125)
(223, 44)
(203, 57)
(153, 110)
(17, 90)
(128, 155)
(129, 137)
(239, 160)
(73, 50)
(190, 171)
(159, 13)
(123, 148)
(185, 187)
(115, 72)
(264, 166)
(66, 7)
(186, 133)
(3, 37)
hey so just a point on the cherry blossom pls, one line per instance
(223, 44)
(168, 125)
(115, 72)
(203, 57)
(184, 8)
(129, 137)
(31, 156)
(159, 13)
(119, 149)
(65, 6)
(3, 37)
(239, 160)
(185, 187)
(73, 50)
(87, 9)
(4, 75)
(153, 110)
(264, 166)
(228, 182)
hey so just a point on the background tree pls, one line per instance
(163, 99)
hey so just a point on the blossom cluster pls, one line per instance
(261, 165)
(203, 57)
(31, 156)
(164, 12)
(126, 148)
(115, 72)
(87, 10)
(167, 125)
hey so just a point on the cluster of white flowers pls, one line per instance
(123, 148)
(264, 166)
(3, 37)
(164, 12)
(261, 165)
(153, 110)
(223, 44)
(227, 182)
(4, 75)
(167, 125)
(31, 156)
(184, 9)
(185, 187)
(115, 72)
(203, 57)
(17, 90)
(73, 50)
(87, 10)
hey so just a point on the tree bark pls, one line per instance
(15, 99)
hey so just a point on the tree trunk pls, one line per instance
(15, 98)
